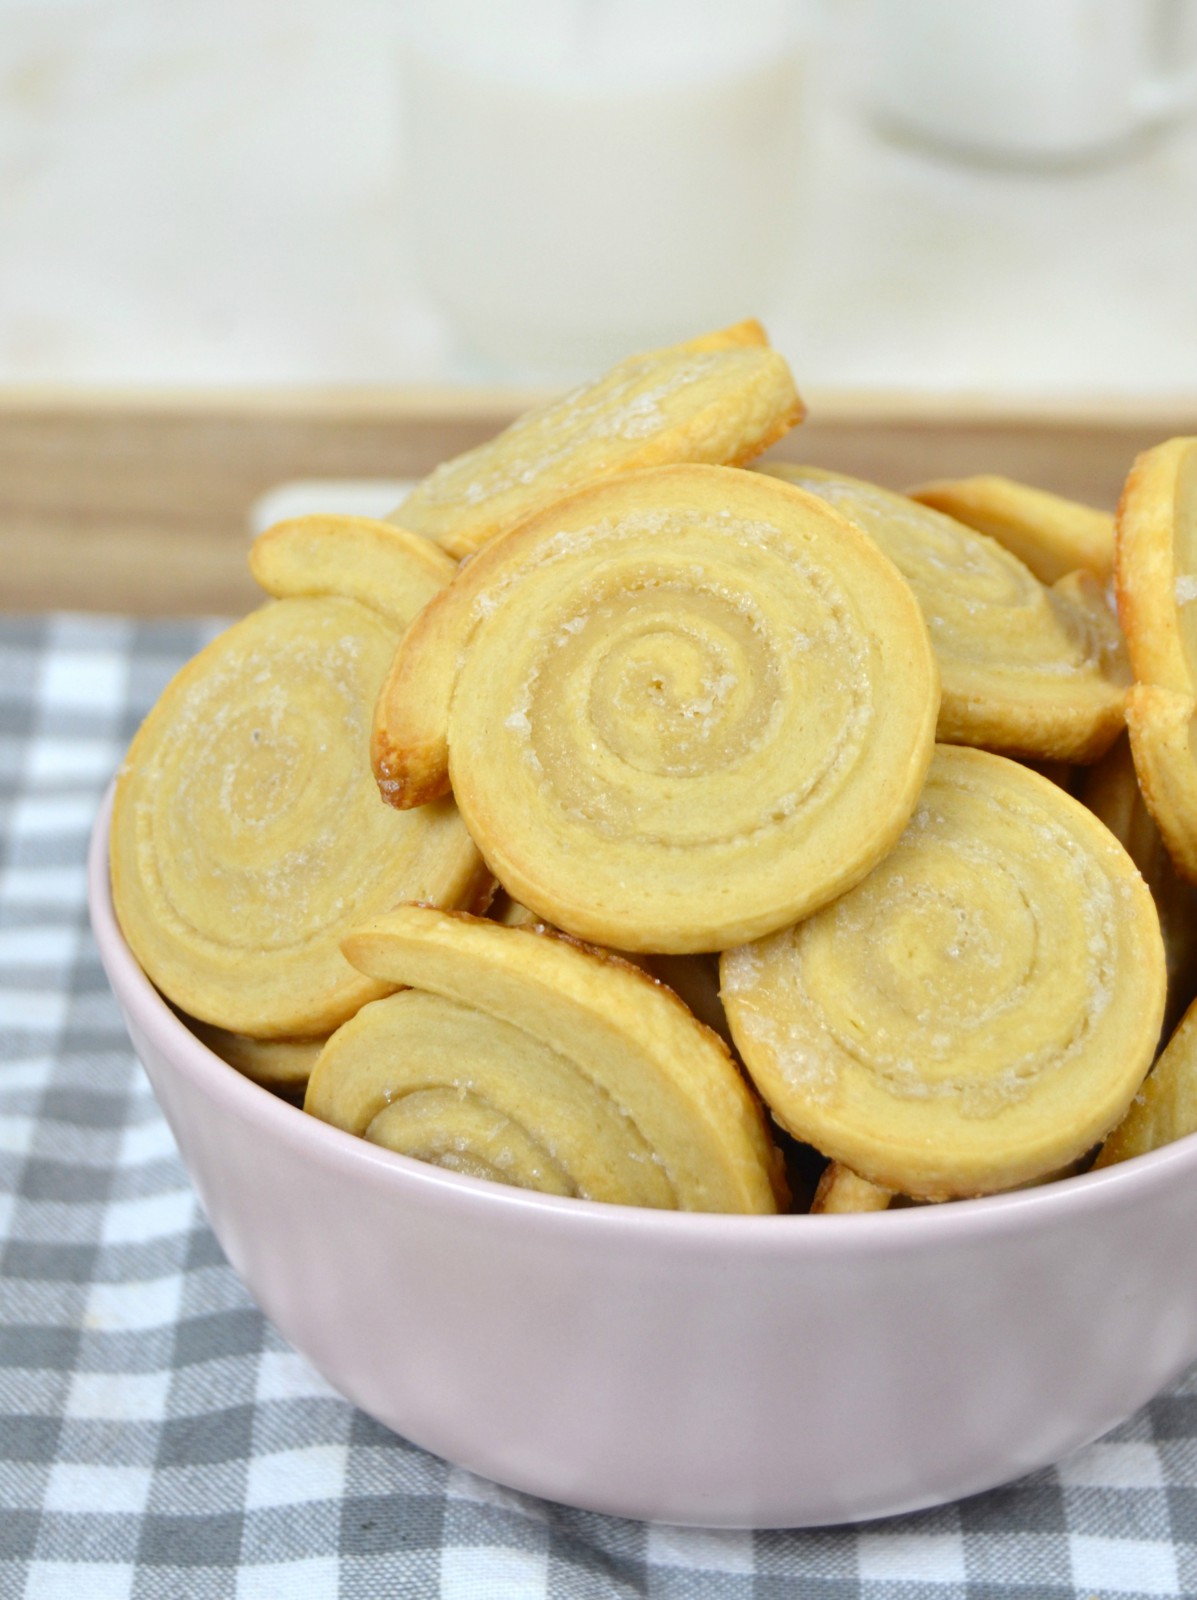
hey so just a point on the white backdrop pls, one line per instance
(212, 192)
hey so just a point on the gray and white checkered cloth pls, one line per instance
(160, 1441)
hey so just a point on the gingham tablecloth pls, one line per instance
(160, 1441)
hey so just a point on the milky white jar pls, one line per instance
(1037, 82)
(586, 178)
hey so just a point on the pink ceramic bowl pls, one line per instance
(726, 1371)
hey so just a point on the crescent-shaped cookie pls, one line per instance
(979, 1011)
(247, 834)
(721, 398)
(679, 709)
(1049, 534)
(523, 1057)
(1026, 670)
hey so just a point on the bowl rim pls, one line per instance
(912, 1228)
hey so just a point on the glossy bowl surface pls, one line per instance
(711, 1370)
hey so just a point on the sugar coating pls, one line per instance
(244, 708)
(626, 407)
(600, 554)
(963, 579)
(812, 1041)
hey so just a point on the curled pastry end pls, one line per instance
(384, 567)
(534, 1060)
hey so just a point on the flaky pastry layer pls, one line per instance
(523, 1057)
(677, 709)
(1049, 534)
(979, 1011)
(721, 398)
(1026, 669)
(1165, 1108)
(1111, 790)
(1156, 565)
(247, 833)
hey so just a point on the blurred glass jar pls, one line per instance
(585, 177)
(1031, 82)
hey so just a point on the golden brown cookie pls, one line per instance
(1156, 566)
(381, 566)
(1049, 534)
(721, 398)
(1165, 1109)
(524, 1057)
(1156, 585)
(1026, 670)
(979, 1011)
(247, 834)
(694, 979)
(1111, 791)
(282, 1065)
(680, 708)
(842, 1191)
(1163, 730)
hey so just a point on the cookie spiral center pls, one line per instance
(677, 700)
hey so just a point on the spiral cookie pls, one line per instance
(247, 834)
(980, 1010)
(1026, 670)
(1050, 535)
(680, 708)
(1155, 581)
(525, 1058)
(722, 398)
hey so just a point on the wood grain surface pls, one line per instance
(138, 503)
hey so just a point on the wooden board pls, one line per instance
(138, 503)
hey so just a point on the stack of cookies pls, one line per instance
(618, 821)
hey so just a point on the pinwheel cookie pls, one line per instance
(523, 1057)
(1049, 534)
(722, 398)
(1027, 670)
(247, 834)
(679, 709)
(1156, 584)
(979, 1011)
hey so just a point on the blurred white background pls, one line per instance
(221, 193)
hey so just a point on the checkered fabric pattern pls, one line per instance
(159, 1440)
